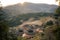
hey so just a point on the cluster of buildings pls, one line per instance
(26, 30)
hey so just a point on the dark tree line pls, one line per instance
(3, 25)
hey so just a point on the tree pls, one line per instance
(58, 9)
(49, 23)
(3, 25)
(56, 28)
(58, 2)
(57, 13)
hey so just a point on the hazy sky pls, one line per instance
(10, 2)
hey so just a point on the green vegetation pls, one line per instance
(3, 26)
(49, 23)
(15, 21)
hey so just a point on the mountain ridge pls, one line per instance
(29, 8)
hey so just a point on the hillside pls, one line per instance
(29, 8)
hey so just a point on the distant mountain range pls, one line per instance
(29, 8)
